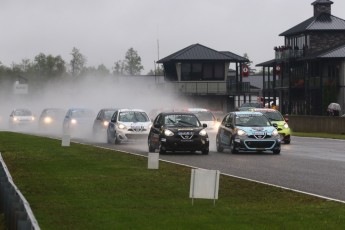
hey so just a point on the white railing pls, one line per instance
(206, 87)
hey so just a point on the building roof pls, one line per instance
(322, 22)
(335, 52)
(322, 2)
(200, 52)
(235, 56)
(269, 63)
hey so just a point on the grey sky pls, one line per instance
(104, 30)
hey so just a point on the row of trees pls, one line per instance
(51, 67)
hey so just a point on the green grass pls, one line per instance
(321, 135)
(84, 187)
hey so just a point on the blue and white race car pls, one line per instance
(247, 131)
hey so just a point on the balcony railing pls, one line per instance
(287, 53)
(313, 83)
(207, 87)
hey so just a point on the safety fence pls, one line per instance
(14, 206)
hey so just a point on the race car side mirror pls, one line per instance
(204, 125)
(275, 125)
(157, 126)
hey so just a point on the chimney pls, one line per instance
(322, 6)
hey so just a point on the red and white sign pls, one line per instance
(278, 69)
(245, 71)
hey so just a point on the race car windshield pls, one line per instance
(205, 116)
(22, 113)
(108, 114)
(252, 121)
(55, 113)
(274, 116)
(132, 116)
(82, 113)
(181, 120)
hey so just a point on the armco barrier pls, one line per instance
(317, 124)
(16, 209)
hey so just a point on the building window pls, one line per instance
(202, 71)
(185, 71)
(298, 42)
(219, 71)
(196, 71)
(207, 73)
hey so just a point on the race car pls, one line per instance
(178, 131)
(51, 119)
(21, 118)
(205, 117)
(127, 125)
(78, 121)
(247, 131)
(276, 118)
(102, 120)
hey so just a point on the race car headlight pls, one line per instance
(105, 123)
(121, 126)
(286, 126)
(32, 118)
(47, 120)
(15, 119)
(168, 133)
(217, 125)
(203, 133)
(240, 132)
(73, 121)
(275, 133)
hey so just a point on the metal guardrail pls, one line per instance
(16, 209)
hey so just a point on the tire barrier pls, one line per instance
(14, 206)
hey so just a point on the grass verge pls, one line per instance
(320, 135)
(83, 187)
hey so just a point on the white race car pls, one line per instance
(206, 117)
(20, 118)
(128, 125)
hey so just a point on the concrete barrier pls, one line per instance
(16, 209)
(317, 124)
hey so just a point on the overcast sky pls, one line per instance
(104, 30)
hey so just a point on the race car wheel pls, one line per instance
(233, 147)
(108, 140)
(151, 149)
(116, 141)
(161, 150)
(276, 151)
(219, 148)
(205, 152)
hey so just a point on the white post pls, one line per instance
(153, 161)
(66, 140)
